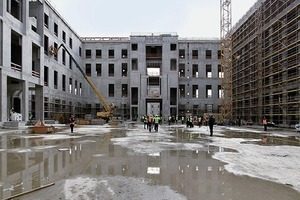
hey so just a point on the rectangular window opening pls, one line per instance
(111, 69)
(124, 69)
(111, 90)
(124, 53)
(55, 79)
(134, 64)
(208, 54)
(173, 65)
(99, 69)
(195, 71)
(208, 91)
(181, 70)
(98, 53)
(111, 53)
(181, 53)
(208, 71)
(173, 47)
(88, 69)
(88, 53)
(195, 54)
(134, 47)
(55, 29)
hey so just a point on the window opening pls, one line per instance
(70, 43)
(70, 85)
(208, 91)
(195, 71)
(173, 47)
(195, 91)
(111, 90)
(195, 54)
(220, 72)
(88, 53)
(88, 69)
(55, 79)
(99, 69)
(15, 8)
(208, 71)
(208, 54)
(182, 91)
(75, 89)
(98, 53)
(173, 65)
(124, 90)
(134, 47)
(111, 69)
(111, 53)
(124, 53)
(181, 70)
(124, 69)
(46, 20)
(55, 29)
(134, 64)
(46, 76)
(63, 82)
(64, 57)
(64, 36)
(181, 53)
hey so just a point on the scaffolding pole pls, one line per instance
(226, 60)
(260, 112)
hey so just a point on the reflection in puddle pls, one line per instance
(192, 173)
(264, 139)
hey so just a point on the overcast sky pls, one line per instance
(187, 18)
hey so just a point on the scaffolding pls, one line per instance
(226, 60)
(266, 74)
(260, 68)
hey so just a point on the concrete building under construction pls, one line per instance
(148, 73)
(266, 63)
(140, 74)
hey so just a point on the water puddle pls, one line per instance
(264, 139)
(30, 161)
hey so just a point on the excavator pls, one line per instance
(107, 113)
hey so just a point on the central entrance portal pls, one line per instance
(154, 107)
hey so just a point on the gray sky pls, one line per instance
(188, 18)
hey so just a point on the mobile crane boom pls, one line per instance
(108, 109)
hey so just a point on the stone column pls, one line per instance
(39, 102)
(25, 101)
(3, 99)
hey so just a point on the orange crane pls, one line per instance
(107, 113)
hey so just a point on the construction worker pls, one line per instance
(72, 122)
(191, 122)
(265, 123)
(150, 120)
(199, 121)
(156, 121)
(211, 123)
(145, 120)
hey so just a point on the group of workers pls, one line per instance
(152, 122)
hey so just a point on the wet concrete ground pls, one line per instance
(129, 162)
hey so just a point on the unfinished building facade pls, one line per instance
(141, 74)
(155, 74)
(266, 63)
